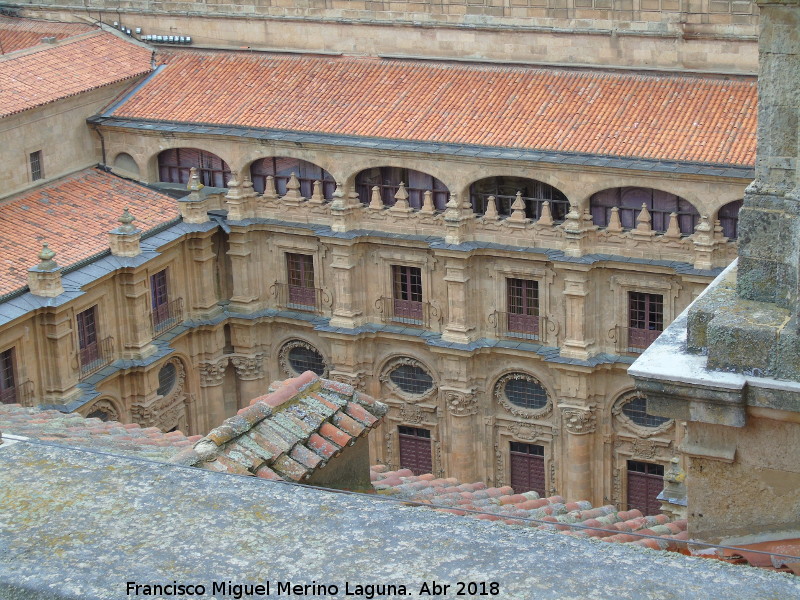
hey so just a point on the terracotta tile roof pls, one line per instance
(74, 215)
(78, 64)
(502, 504)
(71, 429)
(662, 116)
(18, 33)
(290, 432)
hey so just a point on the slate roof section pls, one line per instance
(77, 64)
(504, 505)
(72, 429)
(19, 33)
(654, 116)
(288, 433)
(73, 215)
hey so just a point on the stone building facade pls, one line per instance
(497, 326)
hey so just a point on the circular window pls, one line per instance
(522, 395)
(166, 379)
(412, 379)
(636, 411)
(297, 357)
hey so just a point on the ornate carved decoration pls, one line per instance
(103, 407)
(526, 431)
(398, 362)
(283, 356)
(389, 450)
(411, 414)
(165, 412)
(579, 421)
(461, 404)
(357, 380)
(499, 479)
(616, 484)
(525, 413)
(553, 489)
(640, 430)
(249, 367)
(644, 449)
(212, 373)
(438, 464)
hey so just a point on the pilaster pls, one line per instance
(457, 278)
(137, 333)
(203, 301)
(343, 267)
(60, 376)
(576, 293)
(240, 251)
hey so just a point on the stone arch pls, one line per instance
(106, 409)
(504, 189)
(728, 216)
(173, 165)
(127, 164)
(388, 178)
(629, 200)
(282, 167)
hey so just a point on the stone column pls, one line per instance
(462, 406)
(250, 372)
(343, 266)
(137, 334)
(579, 422)
(576, 291)
(458, 327)
(240, 251)
(212, 374)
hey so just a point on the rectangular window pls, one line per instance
(88, 348)
(415, 449)
(300, 269)
(527, 468)
(645, 319)
(159, 294)
(8, 390)
(522, 303)
(407, 292)
(645, 482)
(36, 165)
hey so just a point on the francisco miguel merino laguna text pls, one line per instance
(237, 591)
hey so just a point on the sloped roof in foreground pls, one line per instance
(18, 33)
(704, 119)
(80, 524)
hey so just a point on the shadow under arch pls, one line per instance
(280, 168)
(174, 165)
(388, 179)
(504, 189)
(629, 201)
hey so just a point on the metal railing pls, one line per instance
(295, 297)
(522, 327)
(407, 312)
(21, 393)
(95, 356)
(632, 341)
(166, 316)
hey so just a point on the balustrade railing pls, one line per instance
(632, 341)
(166, 316)
(21, 393)
(516, 326)
(407, 312)
(296, 297)
(95, 356)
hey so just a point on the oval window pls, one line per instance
(525, 393)
(636, 411)
(306, 358)
(166, 379)
(412, 379)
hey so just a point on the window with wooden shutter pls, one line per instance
(415, 449)
(527, 468)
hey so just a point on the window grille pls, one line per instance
(300, 268)
(302, 359)
(525, 393)
(36, 165)
(388, 179)
(645, 318)
(166, 379)
(728, 217)
(523, 305)
(504, 189)
(174, 166)
(412, 379)
(407, 290)
(281, 169)
(629, 201)
(636, 411)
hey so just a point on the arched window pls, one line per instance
(166, 379)
(728, 217)
(281, 169)
(388, 180)
(636, 411)
(412, 379)
(629, 200)
(174, 165)
(504, 190)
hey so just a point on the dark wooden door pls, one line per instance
(415, 450)
(645, 482)
(527, 468)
